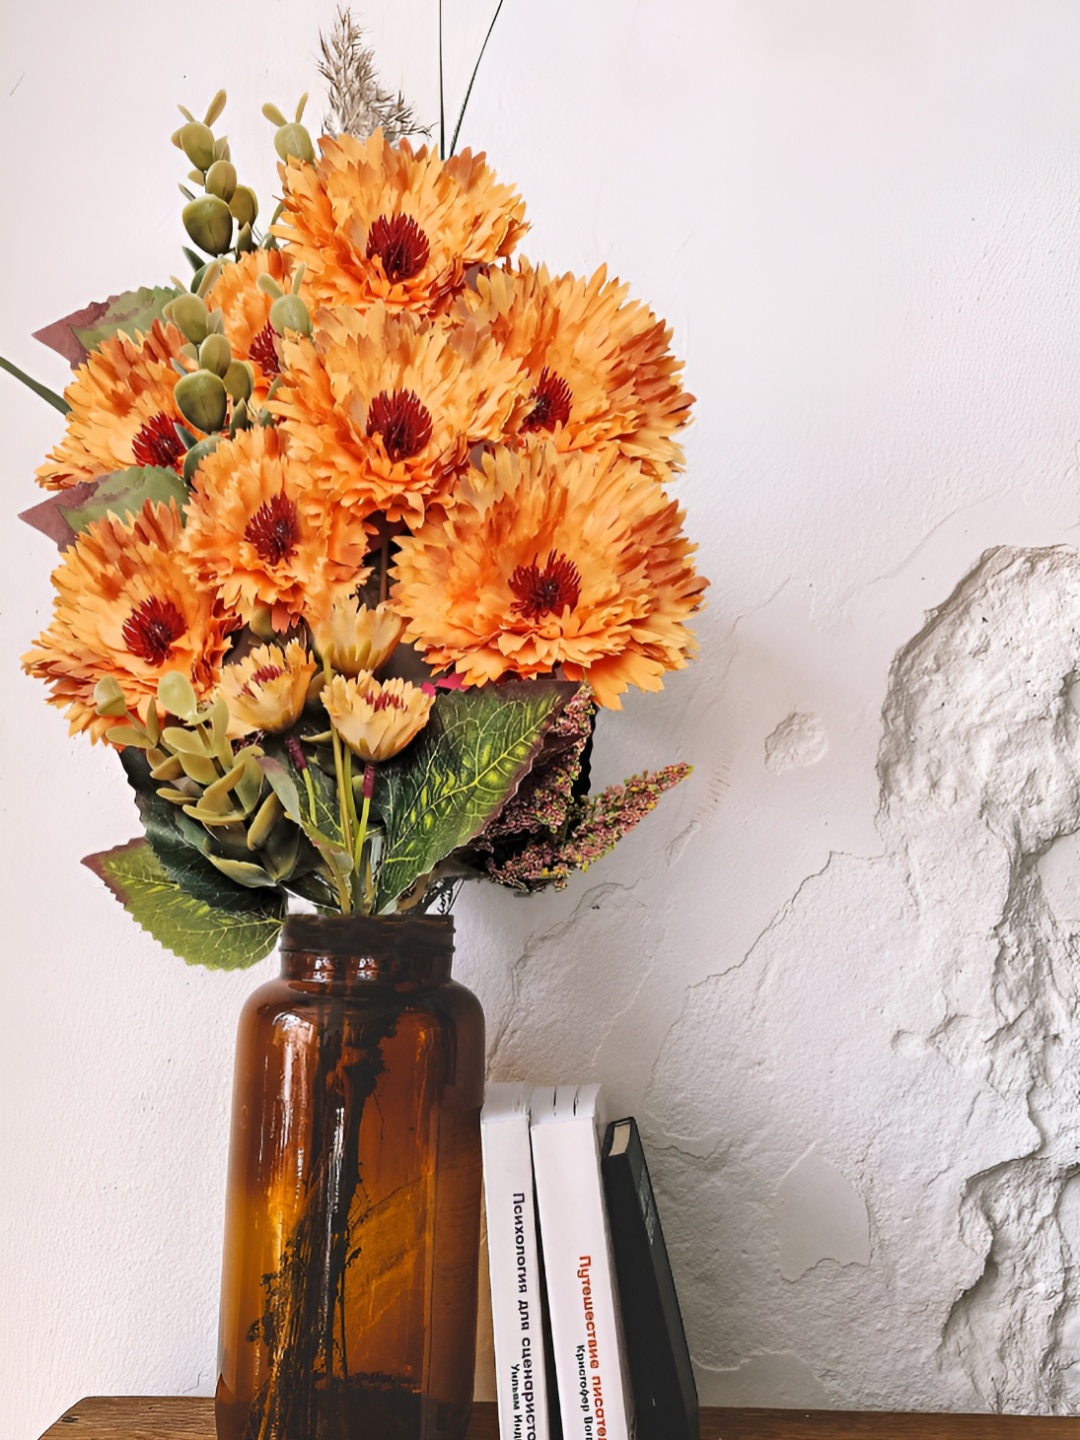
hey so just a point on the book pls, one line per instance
(594, 1395)
(521, 1386)
(662, 1378)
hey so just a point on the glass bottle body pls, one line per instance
(352, 1220)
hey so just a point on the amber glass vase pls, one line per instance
(348, 1306)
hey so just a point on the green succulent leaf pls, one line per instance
(132, 312)
(230, 935)
(441, 792)
(180, 844)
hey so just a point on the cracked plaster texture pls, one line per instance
(861, 222)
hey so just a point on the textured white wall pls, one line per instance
(835, 977)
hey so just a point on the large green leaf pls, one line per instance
(134, 311)
(475, 751)
(241, 928)
(125, 492)
(64, 515)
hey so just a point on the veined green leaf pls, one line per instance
(64, 514)
(132, 312)
(229, 936)
(475, 751)
(125, 492)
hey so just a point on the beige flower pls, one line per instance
(351, 636)
(376, 721)
(267, 689)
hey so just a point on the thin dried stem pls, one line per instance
(358, 104)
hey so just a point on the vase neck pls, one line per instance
(398, 950)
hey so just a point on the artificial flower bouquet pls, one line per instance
(359, 526)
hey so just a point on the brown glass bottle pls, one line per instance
(348, 1306)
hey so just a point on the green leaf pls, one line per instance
(229, 936)
(63, 515)
(134, 311)
(458, 773)
(287, 781)
(125, 492)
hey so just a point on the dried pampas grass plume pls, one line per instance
(358, 104)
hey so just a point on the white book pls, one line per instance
(595, 1400)
(514, 1260)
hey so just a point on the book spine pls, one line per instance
(663, 1380)
(520, 1374)
(593, 1394)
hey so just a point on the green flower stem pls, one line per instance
(346, 808)
(312, 810)
(361, 837)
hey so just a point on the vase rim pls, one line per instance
(374, 936)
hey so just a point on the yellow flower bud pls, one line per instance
(266, 690)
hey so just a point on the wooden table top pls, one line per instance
(122, 1418)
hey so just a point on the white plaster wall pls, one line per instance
(836, 976)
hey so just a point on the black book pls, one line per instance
(661, 1376)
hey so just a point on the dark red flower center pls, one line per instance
(151, 628)
(263, 350)
(548, 591)
(388, 700)
(274, 529)
(553, 398)
(402, 421)
(265, 674)
(400, 244)
(157, 443)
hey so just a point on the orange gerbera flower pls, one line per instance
(575, 561)
(381, 409)
(267, 689)
(122, 410)
(376, 721)
(127, 611)
(595, 368)
(245, 310)
(253, 530)
(374, 221)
